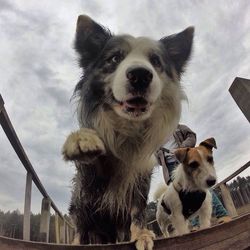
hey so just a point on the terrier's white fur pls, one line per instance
(188, 180)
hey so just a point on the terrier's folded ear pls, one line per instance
(181, 154)
(209, 143)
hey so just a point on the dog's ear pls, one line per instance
(181, 154)
(179, 48)
(90, 39)
(209, 143)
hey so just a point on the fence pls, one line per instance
(233, 196)
(64, 228)
(240, 191)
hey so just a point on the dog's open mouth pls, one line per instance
(135, 106)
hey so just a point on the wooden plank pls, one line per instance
(27, 205)
(227, 199)
(231, 235)
(45, 220)
(219, 237)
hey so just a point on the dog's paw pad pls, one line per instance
(144, 239)
(83, 145)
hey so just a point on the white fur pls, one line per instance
(138, 57)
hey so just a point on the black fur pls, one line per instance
(178, 48)
(166, 208)
(191, 202)
(90, 40)
(103, 226)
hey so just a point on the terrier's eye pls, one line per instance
(210, 159)
(194, 165)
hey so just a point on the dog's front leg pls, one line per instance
(164, 229)
(139, 233)
(180, 224)
(83, 145)
(205, 212)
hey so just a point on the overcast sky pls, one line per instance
(38, 70)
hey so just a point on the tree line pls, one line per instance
(11, 225)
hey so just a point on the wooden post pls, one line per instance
(62, 231)
(27, 204)
(45, 220)
(71, 234)
(57, 226)
(67, 234)
(226, 196)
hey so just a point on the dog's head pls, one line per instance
(198, 163)
(130, 76)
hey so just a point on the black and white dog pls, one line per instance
(129, 102)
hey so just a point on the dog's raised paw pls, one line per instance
(144, 238)
(145, 242)
(83, 145)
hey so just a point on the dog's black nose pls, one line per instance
(211, 182)
(139, 78)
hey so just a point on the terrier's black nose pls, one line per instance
(211, 182)
(139, 78)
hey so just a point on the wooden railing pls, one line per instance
(225, 191)
(64, 228)
(226, 236)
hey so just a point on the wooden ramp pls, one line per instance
(232, 235)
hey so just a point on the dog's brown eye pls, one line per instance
(155, 60)
(194, 165)
(210, 159)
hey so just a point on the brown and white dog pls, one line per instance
(129, 101)
(188, 194)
